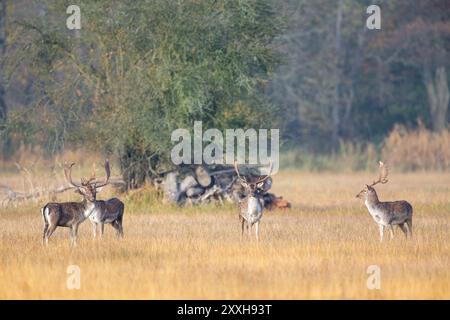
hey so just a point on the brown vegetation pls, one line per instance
(418, 149)
(321, 248)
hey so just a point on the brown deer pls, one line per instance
(251, 207)
(72, 214)
(387, 214)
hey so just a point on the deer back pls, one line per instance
(65, 214)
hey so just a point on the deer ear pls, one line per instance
(77, 190)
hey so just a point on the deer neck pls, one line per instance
(88, 207)
(372, 200)
(254, 205)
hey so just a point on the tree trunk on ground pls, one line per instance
(203, 177)
(438, 97)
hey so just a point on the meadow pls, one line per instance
(320, 249)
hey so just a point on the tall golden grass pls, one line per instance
(319, 249)
(418, 149)
(405, 149)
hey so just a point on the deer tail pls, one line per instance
(43, 213)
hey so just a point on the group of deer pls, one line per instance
(72, 214)
(385, 214)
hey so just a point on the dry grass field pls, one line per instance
(320, 249)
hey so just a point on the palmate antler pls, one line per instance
(268, 174)
(68, 174)
(383, 176)
(92, 180)
(108, 174)
(243, 179)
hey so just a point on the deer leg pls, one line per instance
(391, 231)
(102, 229)
(116, 227)
(381, 232)
(119, 223)
(243, 227)
(44, 233)
(257, 230)
(74, 233)
(403, 228)
(119, 229)
(409, 227)
(50, 231)
(94, 229)
(71, 235)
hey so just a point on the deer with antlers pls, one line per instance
(104, 212)
(387, 214)
(72, 214)
(251, 207)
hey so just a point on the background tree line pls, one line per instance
(137, 70)
(342, 81)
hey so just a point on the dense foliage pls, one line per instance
(344, 82)
(137, 70)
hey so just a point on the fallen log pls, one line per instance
(188, 183)
(203, 177)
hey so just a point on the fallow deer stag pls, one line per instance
(104, 212)
(387, 214)
(251, 207)
(69, 214)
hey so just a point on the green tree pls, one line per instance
(3, 110)
(137, 70)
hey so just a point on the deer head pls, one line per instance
(88, 187)
(253, 187)
(382, 178)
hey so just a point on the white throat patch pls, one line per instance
(89, 209)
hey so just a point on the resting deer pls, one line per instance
(251, 207)
(103, 212)
(387, 214)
